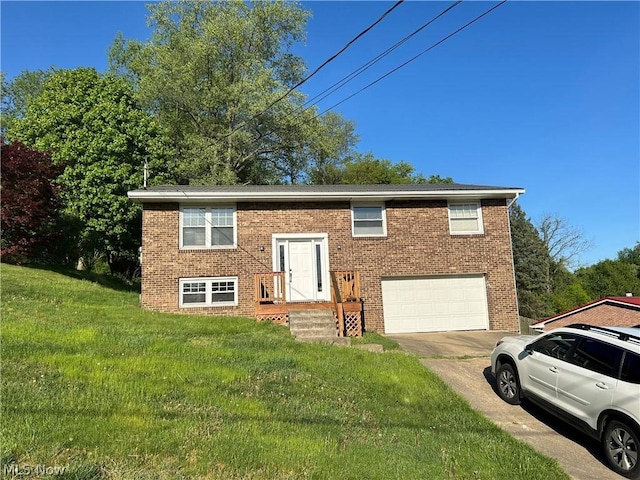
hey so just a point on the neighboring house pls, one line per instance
(606, 312)
(414, 258)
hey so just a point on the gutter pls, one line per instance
(141, 196)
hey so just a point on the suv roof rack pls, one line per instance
(608, 331)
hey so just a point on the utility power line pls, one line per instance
(401, 65)
(324, 64)
(414, 57)
(298, 111)
(336, 55)
(336, 86)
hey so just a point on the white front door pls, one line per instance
(304, 262)
(301, 281)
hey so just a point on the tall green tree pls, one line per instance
(609, 278)
(93, 126)
(369, 170)
(332, 146)
(566, 292)
(308, 149)
(18, 92)
(215, 73)
(632, 257)
(568, 297)
(530, 258)
(564, 243)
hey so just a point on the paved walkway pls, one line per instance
(462, 360)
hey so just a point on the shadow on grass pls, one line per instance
(103, 279)
(556, 424)
(420, 422)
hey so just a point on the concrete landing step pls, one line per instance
(345, 341)
(323, 331)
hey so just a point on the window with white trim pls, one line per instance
(368, 220)
(208, 227)
(465, 218)
(209, 292)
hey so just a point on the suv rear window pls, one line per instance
(596, 356)
(631, 368)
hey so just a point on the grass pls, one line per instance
(375, 338)
(94, 384)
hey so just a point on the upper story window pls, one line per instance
(465, 218)
(208, 227)
(369, 220)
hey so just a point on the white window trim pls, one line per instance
(479, 231)
(207, 245)
(384, 219)
(208, 302)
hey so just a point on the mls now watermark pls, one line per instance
(25, 469)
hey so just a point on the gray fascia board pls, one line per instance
(178, 196)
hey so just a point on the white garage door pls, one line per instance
(435, 304)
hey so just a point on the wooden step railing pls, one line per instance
(345, 288)
(271, 302)
(269, 288)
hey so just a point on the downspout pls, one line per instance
(512, 202)
(515, 285)
(145, 177)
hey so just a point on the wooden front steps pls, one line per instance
(271, 303)
(316, 325)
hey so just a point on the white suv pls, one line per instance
(586, 375)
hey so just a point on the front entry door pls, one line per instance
(301, 271)
(304, 264)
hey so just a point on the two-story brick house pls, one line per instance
(427, 257)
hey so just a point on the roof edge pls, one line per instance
(618, 301)
(184, 195)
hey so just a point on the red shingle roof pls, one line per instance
(621, 301)
(629, 300)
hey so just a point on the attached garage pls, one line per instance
(435, 304)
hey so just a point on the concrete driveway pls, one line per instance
(463, 361)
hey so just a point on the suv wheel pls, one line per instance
(508, 386)
(621, 444)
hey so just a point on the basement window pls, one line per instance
(209, 292)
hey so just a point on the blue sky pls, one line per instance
(540, 95)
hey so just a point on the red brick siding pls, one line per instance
(601, 315)
(418, 243)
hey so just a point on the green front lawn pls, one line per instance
(92, 383)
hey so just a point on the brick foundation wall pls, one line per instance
(418, 242)
(601, 315)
